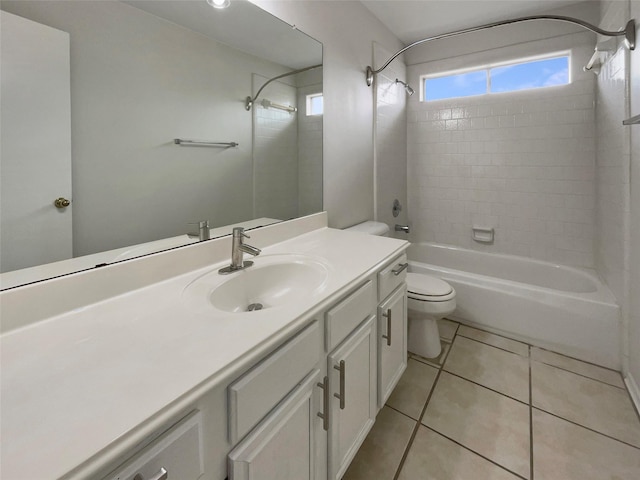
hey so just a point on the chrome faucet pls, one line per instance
(203, 230)
(402, 228)
(237, 250)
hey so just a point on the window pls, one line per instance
(512, 77)
(315, 104)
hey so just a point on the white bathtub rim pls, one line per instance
(592, 274)
(602, 294)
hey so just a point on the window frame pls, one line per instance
(487, 67)
(309, 98)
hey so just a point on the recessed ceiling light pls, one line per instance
(219, 3)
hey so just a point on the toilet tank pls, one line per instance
(372, 228)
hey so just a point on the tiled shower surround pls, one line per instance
(522, 163)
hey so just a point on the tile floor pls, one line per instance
(493, 408)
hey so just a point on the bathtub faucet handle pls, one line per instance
(402, 228)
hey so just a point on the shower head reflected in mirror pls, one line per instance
(406, 86)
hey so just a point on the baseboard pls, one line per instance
(634, 391)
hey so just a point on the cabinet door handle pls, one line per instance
(325, 403)
(388, 335)
(341, 368)
(161, 475)
(400, 269)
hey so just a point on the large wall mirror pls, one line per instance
(102, 141)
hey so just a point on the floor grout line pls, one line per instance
(585, 427)
(475, 453)
(494, 346)
(441, 368)
(531, 473)
(400, 412)
(576, 359)
(485, 387)
(416, 427)
(580, 374)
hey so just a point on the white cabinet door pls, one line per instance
(352, 373)
(36, 144)
(283, 445)
(392, 342)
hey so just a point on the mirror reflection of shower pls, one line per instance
(406, 86)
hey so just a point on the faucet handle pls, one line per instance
(203, 230)
(239, 232)
(201, 223)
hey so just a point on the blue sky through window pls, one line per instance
(462, 85)
(315, 104)
(541, 73)
(533, 74)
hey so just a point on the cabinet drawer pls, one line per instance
(178, 452)
(253, 395)
(283, 445)
(389, 279)
(349, 313)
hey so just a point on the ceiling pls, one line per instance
(411, 20)
(239, 26)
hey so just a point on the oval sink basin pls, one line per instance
(273, 281)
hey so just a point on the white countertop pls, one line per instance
(75, 383)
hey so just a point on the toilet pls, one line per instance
(429, 300)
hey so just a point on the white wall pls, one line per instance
(133, 185)
(390, 141)
(612, 186)
(618, 173)
(634, 261)
(347, 30)
(519, 162)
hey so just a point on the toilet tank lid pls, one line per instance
(370, 227)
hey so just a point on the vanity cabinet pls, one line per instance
(392, 326)
(273, 413)
(352, 380)
(177, 453)
(392, 342)
(283, 445)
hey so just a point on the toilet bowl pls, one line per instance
(429, 300)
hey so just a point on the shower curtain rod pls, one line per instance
(629, 33)
(249, 101)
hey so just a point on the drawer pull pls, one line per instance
(161, 475)
(341, 368)
(388, 335)
(325, 403)
(400, 269)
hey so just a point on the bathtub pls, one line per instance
(564, 309)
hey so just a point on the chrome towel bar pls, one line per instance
(202, 143)
(632, 121)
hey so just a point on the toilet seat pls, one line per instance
(427, 288)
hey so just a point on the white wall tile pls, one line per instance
(522, 162)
